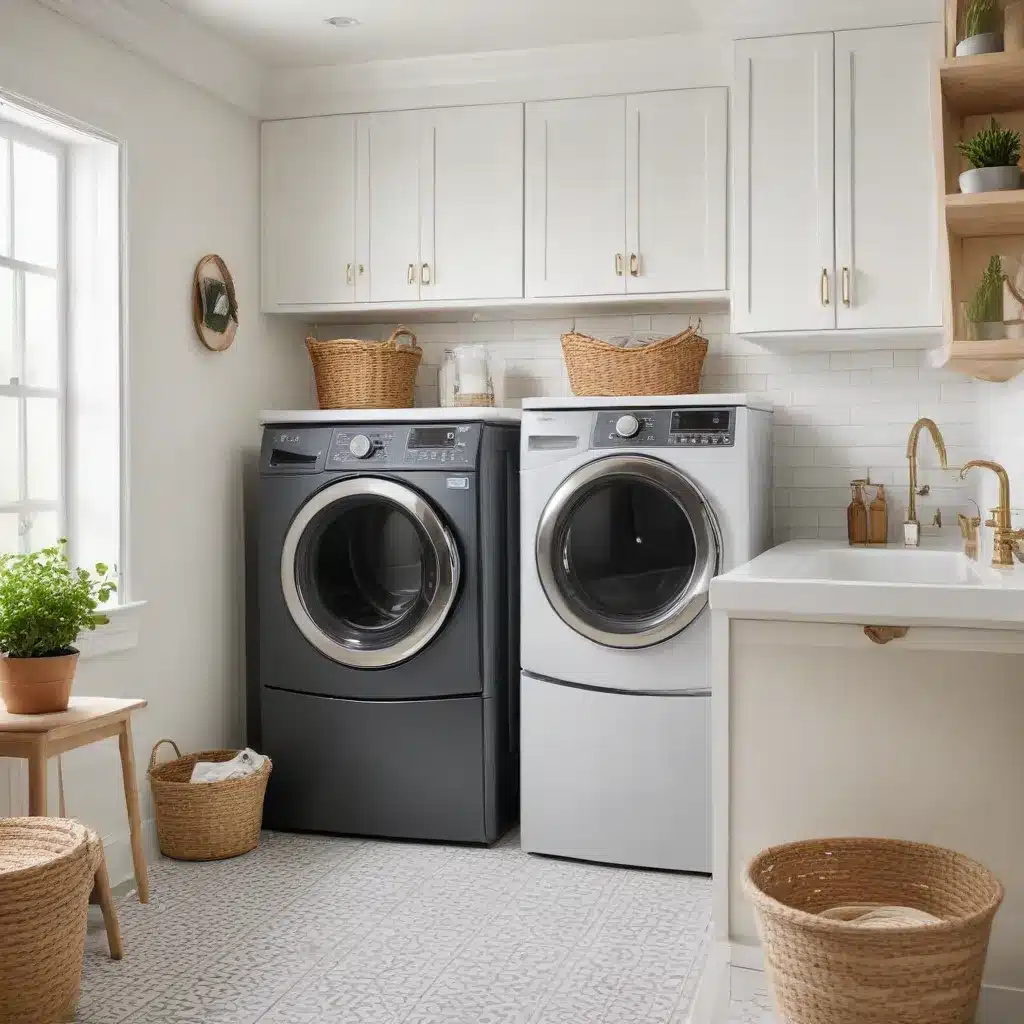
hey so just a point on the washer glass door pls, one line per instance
(369, 572)
(626, 550)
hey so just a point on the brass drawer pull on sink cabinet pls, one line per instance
(885, 634)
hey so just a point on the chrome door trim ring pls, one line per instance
(687, 496)
(441, 541)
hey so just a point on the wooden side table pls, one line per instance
(36, 738)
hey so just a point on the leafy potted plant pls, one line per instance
(44, 605)
(985, 310)
(993, 155)
(981, 29)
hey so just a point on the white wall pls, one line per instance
(1003, 434)
(192, 188)
(839, 415)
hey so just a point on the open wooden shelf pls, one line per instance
(995, 361)
(982, 214)
(987, 84)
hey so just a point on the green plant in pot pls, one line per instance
(985, 310)
(44, 605)
(993, 155)
(981, 29)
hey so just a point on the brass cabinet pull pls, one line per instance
(885, 634)
(846, 286)
(634, 264)
(411, 278)
(425, 274)
(618, 264)
(348, 273)
(362, 270)
(825, 297)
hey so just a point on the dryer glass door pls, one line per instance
(626, 550)
(369, 572)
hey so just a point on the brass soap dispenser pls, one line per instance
(857, 515)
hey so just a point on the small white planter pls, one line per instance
(984, 42)
(989, 330)
(990, 179)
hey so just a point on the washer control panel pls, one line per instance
(693, 427)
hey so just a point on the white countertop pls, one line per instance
(828, 581)
(476, 414)
(647, 402)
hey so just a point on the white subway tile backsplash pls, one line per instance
(839, 415)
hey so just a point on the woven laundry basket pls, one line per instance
(825, 971)
(205, 820)
(354, 374)
(46, 875)
(669, 367)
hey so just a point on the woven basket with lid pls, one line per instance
(46, 875)
(354, 374)
(825, 971)
(669, 367)
(205, 820)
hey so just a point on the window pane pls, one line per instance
(35, 206)
(43, 531)
(9, 449)
(40, 331)
(43, 449)
(7, 370)
(9, 533)
(5, 197)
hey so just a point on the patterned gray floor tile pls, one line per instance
(347, 931)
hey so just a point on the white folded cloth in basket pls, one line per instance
(245, 762)
(874, 915)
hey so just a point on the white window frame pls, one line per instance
(24, 507)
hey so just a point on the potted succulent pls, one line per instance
(985, 310)
(44, 605)
(981, 29)
(993, 154)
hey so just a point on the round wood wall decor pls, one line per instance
(214, 309)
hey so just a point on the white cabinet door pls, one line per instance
(783, 275)
(675, 191)
(309, 190)
(886, 200)
(575, 197)
(395, 158)
(472, 234)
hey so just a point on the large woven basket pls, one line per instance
(46, 875)
(353, 374)
(669, 367)
(825, 971)
(205, 820)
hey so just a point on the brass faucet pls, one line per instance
(1007, 539)
(912, 528)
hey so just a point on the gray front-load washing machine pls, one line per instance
(386, 626)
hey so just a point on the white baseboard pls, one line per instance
(1001, 1005)
(118, 849)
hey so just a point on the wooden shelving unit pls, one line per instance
(969, 91)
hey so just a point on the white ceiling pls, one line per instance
(294, 33)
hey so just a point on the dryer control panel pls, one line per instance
(695, 426)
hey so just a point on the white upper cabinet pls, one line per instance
(309, 201)
(783, 240)
(676, 153)
(576, 197)
(886, 192)
(836, 210)
(472, 207)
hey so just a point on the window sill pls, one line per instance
(120, 634)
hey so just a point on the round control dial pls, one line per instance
(360, 446)
(627, 426)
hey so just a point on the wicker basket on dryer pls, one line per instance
(668, 367)
(354, 374)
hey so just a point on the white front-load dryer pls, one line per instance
(629, 508)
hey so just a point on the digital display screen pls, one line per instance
(700, 420)
(432, 437)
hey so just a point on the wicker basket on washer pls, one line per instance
(825, 971)
(668, 367)
(354, 374)
(46, 875)
(205, 820)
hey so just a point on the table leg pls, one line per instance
(131, 798)
(105, 898)
(37, 781)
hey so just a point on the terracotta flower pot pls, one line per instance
(35, 686)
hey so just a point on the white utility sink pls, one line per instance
(882, 565)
